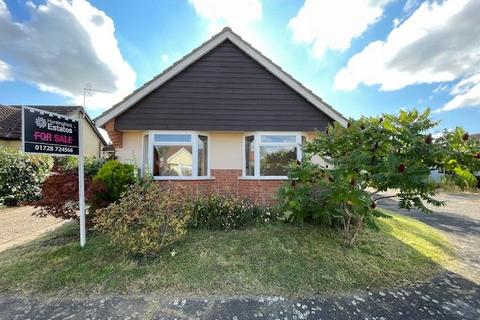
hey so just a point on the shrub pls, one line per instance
(451, 183)
(146, 219)
(225, 212)
(115, 176)
(70, 164)
(21, 175)
(369, 156)
(60, 197)
(60, 190)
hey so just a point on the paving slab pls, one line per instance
(18, 225)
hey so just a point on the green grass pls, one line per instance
(275, 259)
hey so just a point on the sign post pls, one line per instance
(54, 134)
(81, 181)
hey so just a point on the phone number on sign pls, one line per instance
(60, 149)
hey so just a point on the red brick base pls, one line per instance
(227, 181)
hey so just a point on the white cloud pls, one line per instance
(466, 94)
(242, 16)
(238, 14)
(410, 5)
(332, 24)
(441, 88)
(63, 46)
(437, 43)
(5, 73)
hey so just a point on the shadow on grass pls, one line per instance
(442, 220)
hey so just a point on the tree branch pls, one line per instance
(385, 197)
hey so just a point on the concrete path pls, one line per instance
(446, 297)
(452, 295)
(17, 226)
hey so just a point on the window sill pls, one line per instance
(173, 178)
(263, 178)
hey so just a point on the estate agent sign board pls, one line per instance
(49, 133)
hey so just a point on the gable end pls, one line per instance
(225, 90)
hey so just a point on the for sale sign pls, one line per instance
(50, 133)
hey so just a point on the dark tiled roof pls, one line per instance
(11, 119)
(63, 110)
(10, 123)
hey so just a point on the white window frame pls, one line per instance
(256, 145)
(194, 143)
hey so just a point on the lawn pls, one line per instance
(277, 259)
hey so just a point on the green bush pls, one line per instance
(146, 219)
(21, 176)
(451, 183)
(115, 176)
(70, 164)
(225, 212)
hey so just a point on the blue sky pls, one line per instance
(364, 57)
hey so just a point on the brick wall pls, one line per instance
(226, 181)
(115, 136)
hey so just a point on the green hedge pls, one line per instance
(21, 176)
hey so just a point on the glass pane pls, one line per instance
(278, 138)
(202, 155)
(304, 140)
(274, 160)
(249, 156)
(172, 138)
(145, 165)
(172, 160)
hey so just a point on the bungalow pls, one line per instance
(224, 117)
(11, 127)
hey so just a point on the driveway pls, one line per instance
(452, 295)
(17, 226)
(459, 220)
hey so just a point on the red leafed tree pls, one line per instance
(60, 197)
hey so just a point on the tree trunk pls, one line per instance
(358, 227)
(350, 235)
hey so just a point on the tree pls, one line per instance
(369, 156)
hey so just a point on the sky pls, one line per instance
(363, 57)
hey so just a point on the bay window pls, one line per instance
(179, 155)
(269, 154)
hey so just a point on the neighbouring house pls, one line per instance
(11, 127)
(224, 118)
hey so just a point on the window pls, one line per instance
(268, 155)
(179, 155)
(249, 155)
(202, 155)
